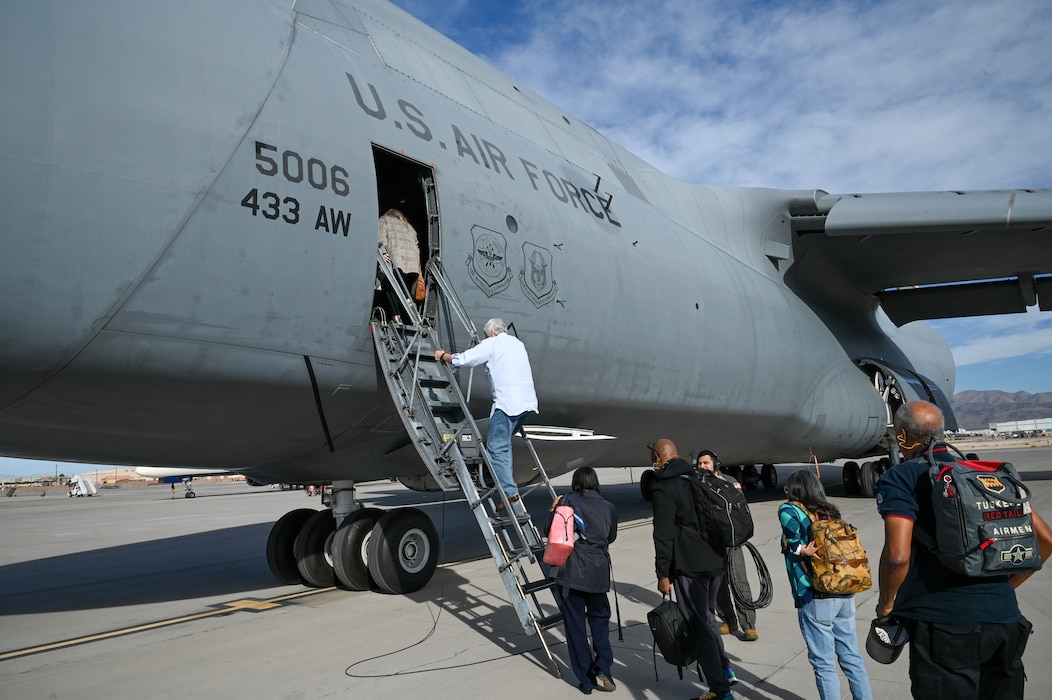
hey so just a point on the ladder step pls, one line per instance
(438, 383)
(514, 555)
(544, 584)
(442, 404)
(546, 623)
(506, 521)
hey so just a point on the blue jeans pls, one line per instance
(498, 444)
(828, 626)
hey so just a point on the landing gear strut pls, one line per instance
(862, 478)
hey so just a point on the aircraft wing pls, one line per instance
(927, 254)
(180, 473)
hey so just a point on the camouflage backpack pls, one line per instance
(840, 565)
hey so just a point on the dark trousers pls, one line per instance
(726, 607)
(583, 612)
(968, 662)
(697, 599)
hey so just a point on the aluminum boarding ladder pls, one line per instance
(436, 416)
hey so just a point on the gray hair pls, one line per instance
(921, 420)
(495, 326)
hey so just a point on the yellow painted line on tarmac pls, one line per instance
(244, 604)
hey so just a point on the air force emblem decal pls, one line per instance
(488, 262)
(536, 275)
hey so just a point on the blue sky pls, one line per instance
(861, 96)
(842, 96)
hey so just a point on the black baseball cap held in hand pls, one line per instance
(886, 639)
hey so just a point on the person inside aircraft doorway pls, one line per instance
(400, 246)
(514, 398)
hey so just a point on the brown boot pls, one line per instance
(750, 635)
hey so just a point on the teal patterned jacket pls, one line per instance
(795, 526)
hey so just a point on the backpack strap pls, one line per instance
(804, 561)
(925, 539)
(810, 516)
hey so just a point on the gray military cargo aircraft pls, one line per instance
(189, 265)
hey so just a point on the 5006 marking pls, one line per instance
(292, 168)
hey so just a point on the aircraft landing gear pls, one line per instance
(350, 558)
(646, 484)
(769, 477)
(869, 473)
(403, 551)
(189, 493)
(393, 552)
(747, 475)
(852, 476)
(312, 549)
(280, 556)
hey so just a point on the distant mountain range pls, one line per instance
(976, 410)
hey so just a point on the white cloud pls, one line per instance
(992, 338)
(847, 97)
(885, 95)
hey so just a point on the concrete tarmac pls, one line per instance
(132, 593)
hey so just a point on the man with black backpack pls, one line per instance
(684, 558)
(728, 608)
(966, 633)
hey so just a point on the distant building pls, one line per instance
(1024, 428)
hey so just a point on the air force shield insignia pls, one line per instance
(488, 262)
(536, 275)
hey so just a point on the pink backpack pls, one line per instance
(560, 537)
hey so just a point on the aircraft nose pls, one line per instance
(112, 127)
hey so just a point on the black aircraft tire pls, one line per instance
(882, 465)
(646, 484)
(769, 477)
(749, 478)
(403, 551)
(350, 560)
(734, 470)
(310, 550)
(868, 479)
(851, 479)
(280, 556)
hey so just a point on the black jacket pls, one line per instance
(679, 547)
(588, 568)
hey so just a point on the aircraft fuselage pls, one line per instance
(189, 254)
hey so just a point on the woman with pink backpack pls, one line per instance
(584, 581)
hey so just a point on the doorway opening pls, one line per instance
(405, 231)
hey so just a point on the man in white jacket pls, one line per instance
(511, 382)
